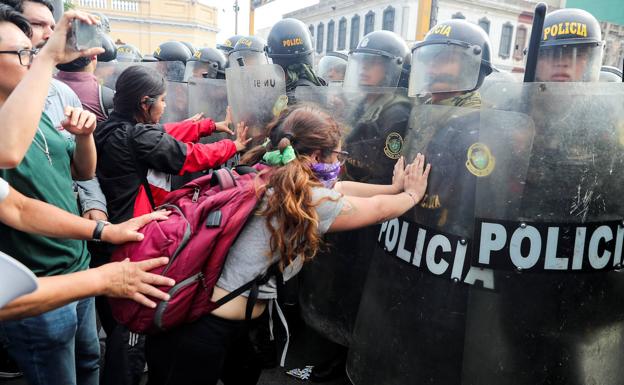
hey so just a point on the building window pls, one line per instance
(330, 36)
(485, 24)
(458, 15)
(505, 43)
(369, 22)
(342, 33)
(521, 37)
(320, 35)
(311, 28)
(355, 32)
(388, 19)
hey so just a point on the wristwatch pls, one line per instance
(99, 227)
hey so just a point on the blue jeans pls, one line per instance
(57, 347)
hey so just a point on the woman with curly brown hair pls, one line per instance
(302, 202)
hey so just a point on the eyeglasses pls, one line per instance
(25, 55)
(341, 155)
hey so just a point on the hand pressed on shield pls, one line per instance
(224, 126)
(78, 121)
(416, 175)
(131, 280)
(241, 136)
(398, 175)
(56, 47)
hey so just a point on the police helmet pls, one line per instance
(381, 51)
(289, 42)
(189, 46)
(207, 63)
(104, 22)
(229, 44)
(610, 74)
(128, 53)
(249, 50)
(455, 56)
(570, 48)
(172, 51)
(110, 52)
(332, 66)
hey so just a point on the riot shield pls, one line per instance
(108, 72)
(177, 103)
(207, 96)
(521, 288)
(256, 95)
(374, 123)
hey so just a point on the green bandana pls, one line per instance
(279, 158)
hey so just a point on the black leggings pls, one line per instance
(203, 352)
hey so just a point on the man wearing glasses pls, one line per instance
(39, 14)
(60, 346)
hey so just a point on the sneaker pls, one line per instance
(8, 367)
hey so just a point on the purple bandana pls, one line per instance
(327, 173)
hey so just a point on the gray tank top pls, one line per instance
(248, 257)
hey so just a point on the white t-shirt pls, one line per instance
(4, 189)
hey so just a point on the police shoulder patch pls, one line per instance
(394, 145)
(480, 160)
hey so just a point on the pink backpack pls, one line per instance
(207, 215)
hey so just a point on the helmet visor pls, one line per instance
(444, 68)
(198, 69)
(569, 63)
(248, 58)
(372, 70)
(332, 68)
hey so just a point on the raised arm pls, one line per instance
(21, 111)
(119, 279)
(357, 189)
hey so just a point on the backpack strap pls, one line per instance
(243, 169)
(141, 171)
(254, 287)
(224, 178)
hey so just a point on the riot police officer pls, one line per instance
(207, 63)
(448, 67)
(377, 109)
(128, 53)
(248, 51)
(571, 47)
(381, 60)
(332, 66)
(289, 45)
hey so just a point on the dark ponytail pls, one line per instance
(132, 86)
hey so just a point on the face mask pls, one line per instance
(327, 173)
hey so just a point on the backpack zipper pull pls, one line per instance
(195, 195)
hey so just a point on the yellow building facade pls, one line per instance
(148, 23)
